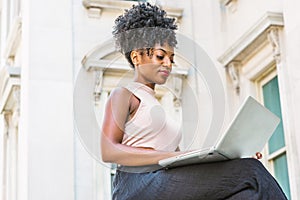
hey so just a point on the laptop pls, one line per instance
(247, 134)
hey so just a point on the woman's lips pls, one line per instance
(165, 72)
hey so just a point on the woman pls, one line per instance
(136, 132)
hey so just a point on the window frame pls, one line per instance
(265, 78)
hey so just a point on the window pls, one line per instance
(112, 175)
(276, 145)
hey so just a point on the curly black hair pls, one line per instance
(141, 28)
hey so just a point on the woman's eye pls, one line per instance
(160, 57)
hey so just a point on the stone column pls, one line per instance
(290, 73)
(46, 137)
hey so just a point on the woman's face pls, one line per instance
(156, 67)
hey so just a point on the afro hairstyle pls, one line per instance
(141, 28)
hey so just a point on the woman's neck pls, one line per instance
(150, 85)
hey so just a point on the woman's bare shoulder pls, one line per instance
(120, 96)
(118, 105)
(120, 92)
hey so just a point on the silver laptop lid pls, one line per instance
(249, 131)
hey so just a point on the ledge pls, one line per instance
(253, 38)
(121, 5)
(9, 79)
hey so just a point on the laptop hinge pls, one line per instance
(211, 150)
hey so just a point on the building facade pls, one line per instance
(59, 65)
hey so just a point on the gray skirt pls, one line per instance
(234, 179)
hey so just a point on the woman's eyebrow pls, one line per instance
(166, 52)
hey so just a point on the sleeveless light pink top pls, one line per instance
(150, 126)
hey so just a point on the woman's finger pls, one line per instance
(258, 155)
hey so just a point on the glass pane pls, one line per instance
(281, 174)
(272, 102)
(112, 175)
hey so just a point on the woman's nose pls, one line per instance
(167, 62)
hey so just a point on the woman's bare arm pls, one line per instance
(116, 113)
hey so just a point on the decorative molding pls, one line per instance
(9, 82)
(234, 74)
(95, 7)
(273, 38)
(98, 85)
(252, 39)
(177, 90)
(225, 2)
(231, 5)
(94, 12)
(13, 39)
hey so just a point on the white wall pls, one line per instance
(240, 15)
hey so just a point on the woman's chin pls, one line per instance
(161, 82)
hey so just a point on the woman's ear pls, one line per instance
(135, 57)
